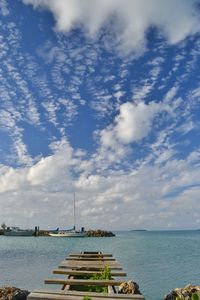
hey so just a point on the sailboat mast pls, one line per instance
(74, 213)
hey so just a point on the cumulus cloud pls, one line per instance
(133, 123)
(53, 170)
(11, 179)
(117, 196)
(57, 166)
(143, 199)
(175, 19)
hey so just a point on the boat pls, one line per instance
(16, 231)
(69, 232)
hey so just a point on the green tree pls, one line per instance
(3, 226)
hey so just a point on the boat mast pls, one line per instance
(74, 213)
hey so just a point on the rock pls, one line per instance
(20, 295)
(170, 296)
(184, 293)
(12, 293)
(129, 287)
(99, 233)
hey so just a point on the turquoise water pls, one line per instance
(157, 261)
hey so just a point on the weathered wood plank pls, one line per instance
(84, 282)
(93, 295)
(97, 254)
(111, 289)
(74, 263)
(97, 258)
(89, 265)
(37, 296)
(85, 272)
(88, 268)
(88, 261)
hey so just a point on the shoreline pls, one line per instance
(89, 233)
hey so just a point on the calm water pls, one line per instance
(157, 261)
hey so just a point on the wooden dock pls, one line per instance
(77, 269)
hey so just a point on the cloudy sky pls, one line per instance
(100, 98)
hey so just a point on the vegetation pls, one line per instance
(3, 226)
(193, 297)
(87, 298)
(104, 275)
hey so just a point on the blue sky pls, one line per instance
(100, 98)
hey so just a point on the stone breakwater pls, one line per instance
(189, 292)
(12, 293)
(89, 233)
(99, 233)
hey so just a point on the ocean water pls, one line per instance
(157, 261)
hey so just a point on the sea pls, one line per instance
(158, 261)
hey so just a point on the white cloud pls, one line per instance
(4, 11)
(176, 19)
(51, 108)
(147, 196)
(133, 123)
(187, 127)
(118, 95)
(11, 179)
(21, 152)
(51, 167)
(48, 170)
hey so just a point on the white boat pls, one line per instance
(70, 232)
(16, 231)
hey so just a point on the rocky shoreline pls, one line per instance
(13, 293)
(189, 292)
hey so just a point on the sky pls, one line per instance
(100, 98)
